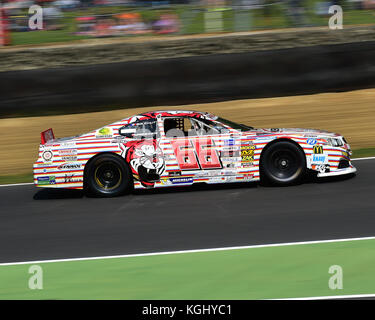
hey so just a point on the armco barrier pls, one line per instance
(188, 80)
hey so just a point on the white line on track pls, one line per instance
(30, 183)
(187, 251)
(348, 296)
(366, 158)
(16, 184)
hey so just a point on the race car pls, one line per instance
(180, 148)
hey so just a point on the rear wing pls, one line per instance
(47, 136)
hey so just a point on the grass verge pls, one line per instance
(362, 153)
(254, 273)
(28, 176)
(17, 178)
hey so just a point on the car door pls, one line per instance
(194, 152)
(226, 144)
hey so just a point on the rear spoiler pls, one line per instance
(47, 136)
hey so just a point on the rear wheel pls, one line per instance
(108, 176)
(283, 163)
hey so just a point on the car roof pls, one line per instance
(171, 113)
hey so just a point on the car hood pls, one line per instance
(296, 131)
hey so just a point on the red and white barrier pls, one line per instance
(4, 29)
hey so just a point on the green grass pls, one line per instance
(43, 36)
(362, 153)
(256, 273)
(28, 177)
(19, 178)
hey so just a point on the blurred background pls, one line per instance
(69, 20)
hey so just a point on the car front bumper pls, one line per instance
(338, 172)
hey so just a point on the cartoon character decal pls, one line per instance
(145, 157)
(146, 160)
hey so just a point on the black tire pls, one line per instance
(283, 163)
(108, 176)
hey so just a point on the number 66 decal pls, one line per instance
(196, 154)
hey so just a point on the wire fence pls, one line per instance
(68, 20)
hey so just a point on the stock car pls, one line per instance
(179, 148)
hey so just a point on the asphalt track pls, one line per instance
(38, 224)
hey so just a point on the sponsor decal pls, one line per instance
(248, 147)
(247, 154)
(229, 148)
(69, 155)
(230, 142)
(165, 181)
(118, 139)
(69, 158)
(69, 166)
(247, 165)
(46, 180)
(318, 149)
(174, 173)
(202, 174)
(69, 178)
(249, 176)
(68, 144)
(229, 154)
(319, 158)
(228, 172)
(210, 173)
(104, 133)
(229, 178)
(322, 168)
(228, 159)
(67, 152)
(47, 156)
(181, 180)
(311, 141)
(245, 143)
(43, 165)
(216, 179)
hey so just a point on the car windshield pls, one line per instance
(234, 125)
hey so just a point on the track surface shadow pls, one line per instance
(50, 194)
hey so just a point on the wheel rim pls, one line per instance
(108, 176)
(284, 164)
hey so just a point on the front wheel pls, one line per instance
(108, 176)
(283, 163)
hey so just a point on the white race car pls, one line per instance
(179, 148)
